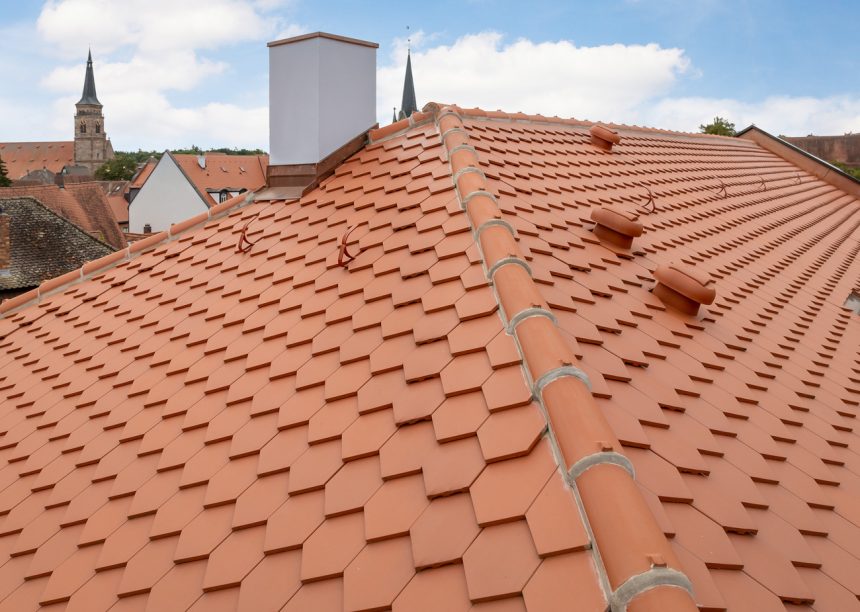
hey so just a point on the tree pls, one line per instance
(5, 181)
(720, 127)
(855, 172)
(120, 168)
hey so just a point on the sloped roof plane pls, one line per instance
(24, 157)
(379, 402)
(45, 244)
(84, 204)
(221, 171)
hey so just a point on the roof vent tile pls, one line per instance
(683, 287)
(603, 138)
(617, 226)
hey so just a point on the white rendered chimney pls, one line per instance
(322, 95)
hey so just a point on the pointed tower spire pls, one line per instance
(89, 95)
(408, 105)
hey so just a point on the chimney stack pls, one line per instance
(5, 243)
(322, 102)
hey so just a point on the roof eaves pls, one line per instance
(782, 147)
(97, 266)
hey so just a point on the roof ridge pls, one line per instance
(478, 113)
(398, 127)
(97, 266)
(630, 552)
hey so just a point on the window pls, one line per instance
(853, 302)
(223, 196)
(98, 128)
(83, 128)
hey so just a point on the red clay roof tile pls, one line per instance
(23, 157)
(83, 204)
(202, 420)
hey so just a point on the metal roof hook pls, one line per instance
(650, 202)
(344, 256)
(245, 244)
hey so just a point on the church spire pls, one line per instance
(408, 105)
(89, 95)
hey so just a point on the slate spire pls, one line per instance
(89, 95)
(408, 105)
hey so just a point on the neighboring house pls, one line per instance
(116, 193)
(84, 204)
(181, 186)
(90, 148)
(38, 177)
(36, 245)
(844, 149)
(476, 360)
(139, 179)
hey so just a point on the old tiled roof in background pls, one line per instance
(115, 192)
(199, 427)
(23, 157)
(84, 204)
(44, 245)
(222, 171)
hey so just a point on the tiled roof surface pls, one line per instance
(115, 192)
(84, 204)
(23, 157)
(201, 428)
(223, 171)
(44, 245)
(141, 175)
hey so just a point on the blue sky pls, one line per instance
(172, 74)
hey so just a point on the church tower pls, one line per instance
(408, 105)
(92, 148)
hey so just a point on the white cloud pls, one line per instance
(151, 25)
(154, 59)
(621, 83)
(792, 116)
(551, 78)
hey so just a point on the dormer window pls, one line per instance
(853, 302)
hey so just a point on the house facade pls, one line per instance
(181, 186)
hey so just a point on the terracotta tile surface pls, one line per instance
(192, 427)
(23, 157)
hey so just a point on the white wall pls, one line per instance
(322, 93)
(165, 198)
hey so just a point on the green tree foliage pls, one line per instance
(121, 168)
(5, 181)
(855, 172)
(720, 127)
